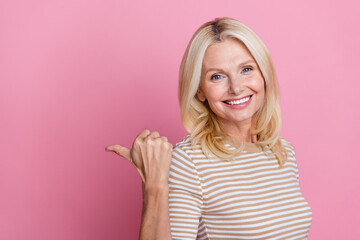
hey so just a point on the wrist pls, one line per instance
(151, 188)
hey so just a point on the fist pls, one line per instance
(150, 154)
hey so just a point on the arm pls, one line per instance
(155, 215)
(185, 197)
(151, 155)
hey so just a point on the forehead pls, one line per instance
(228, 51)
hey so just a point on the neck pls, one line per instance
(238, 131)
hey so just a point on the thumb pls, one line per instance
(120, 150)
(124, 152)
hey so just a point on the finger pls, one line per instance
(143, 134)
(141, 174)
(120, 150)
(124, 152)
(154, 134)
(164, 139)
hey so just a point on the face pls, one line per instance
(231, 82)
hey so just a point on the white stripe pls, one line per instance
(203, 200)
(250, 186)
(260, 206)
(182, 210)
(252, 198)
(255, 180)
(173, 195)
(234, 166)
(175, 215)
(181, 160)
(270, 170)
(189, 175)
(192, 221)
(284, 236)
(223, 224)
(175, 206)
(249, 189)
(250, 215)
(173, 184)
(183, 228)
(215, 233)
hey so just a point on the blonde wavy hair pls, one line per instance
(197, 117)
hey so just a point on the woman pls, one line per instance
(234, 177)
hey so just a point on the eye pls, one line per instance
(215, 77)
(247, 69)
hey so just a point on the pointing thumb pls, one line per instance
(120, 150)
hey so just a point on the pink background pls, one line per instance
(77, 75)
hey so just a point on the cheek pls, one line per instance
(214, 97)
(258, 85)
(215, 93)
(260, 89)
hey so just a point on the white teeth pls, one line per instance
(241, 101)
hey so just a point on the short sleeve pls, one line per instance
(185, 196)
(291, 155)
(296, 166)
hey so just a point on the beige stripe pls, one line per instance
(275, 174)
(250, 188)
(180, 186)
(220, 221)
(241, 183)
(250, 194)
(260, 167)
(251, 205)
(236, 176)
(190, 178)
(186, 203)
(239, 162)
(265, 232)
(179, 198)
(247, 211)
(257, 198)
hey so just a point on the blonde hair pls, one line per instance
(197, 117)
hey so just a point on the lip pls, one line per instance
(236, 99)
(239, 106)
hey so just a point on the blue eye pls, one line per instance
(247, 69)
(216, 77)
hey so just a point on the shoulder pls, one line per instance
(184, 143)
(182, 165)
(186, 146)
(287, 145)
(182, 151)
(291, 162)
(187, 152)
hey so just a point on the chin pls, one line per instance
(237, 119)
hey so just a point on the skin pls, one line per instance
(237, 75)
(230, 72)
(151, 156)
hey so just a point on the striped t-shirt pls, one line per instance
(249, 197)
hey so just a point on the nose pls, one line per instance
(235, 86)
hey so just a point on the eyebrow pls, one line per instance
(220, 70)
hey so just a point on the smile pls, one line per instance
(239, 101)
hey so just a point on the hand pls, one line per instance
(150, 154)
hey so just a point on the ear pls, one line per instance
(200, 95)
